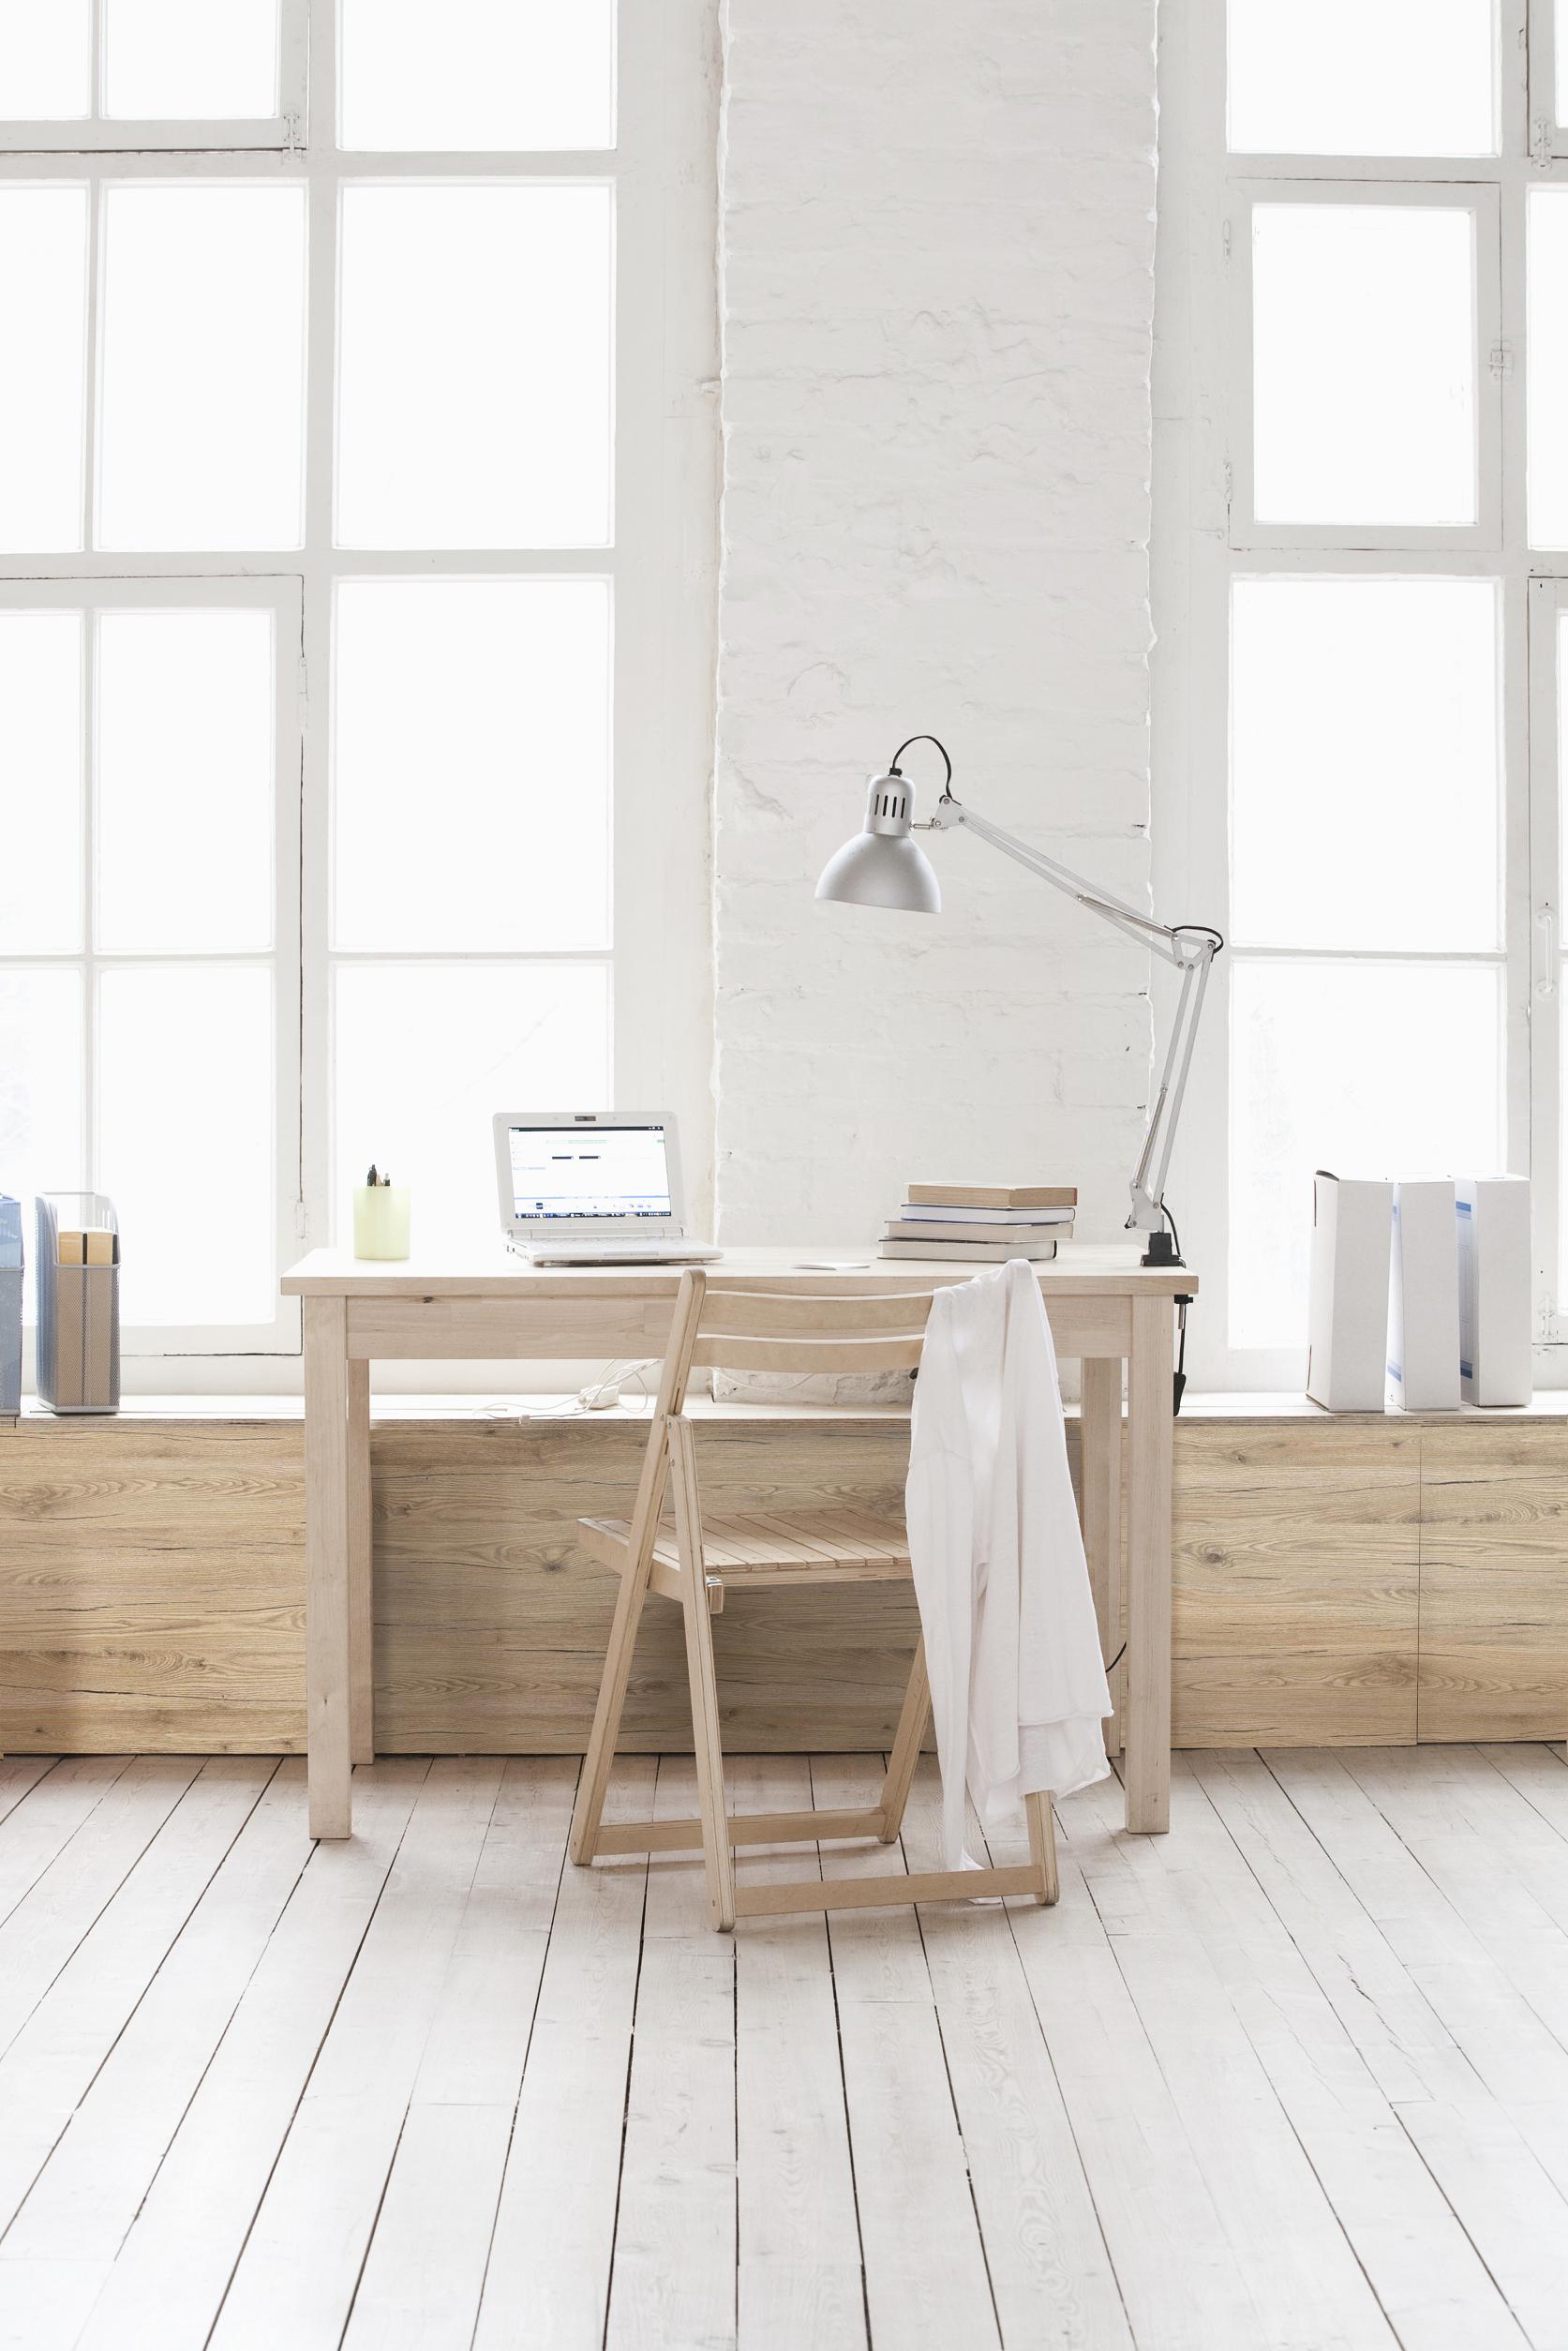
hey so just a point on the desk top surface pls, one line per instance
(1081, 1269)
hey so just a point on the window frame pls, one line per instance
(1549, 138)
(99, 134)
(1198, 546)
(282, 595)
(662, 566)
(1484, 205)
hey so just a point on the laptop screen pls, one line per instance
(575, 1172)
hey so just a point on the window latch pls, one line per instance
(1545, 968)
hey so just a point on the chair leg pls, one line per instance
(913, 1717)
(1042, 1844)
(716, 1850)
(588, 1808)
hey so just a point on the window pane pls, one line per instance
(43, 303)
(191, 60)
(41, 1142)
(475, 386)
(1371, 1069)
(1364, 364)
(427, 1053)
(185, 1066)
(471, 764)
(41, 809)
(1363, 77)
(184, 834)
(480, 74)
(1547, 358)
(1365, 785)
(1560, 46)
(203, 366)
(46, 61)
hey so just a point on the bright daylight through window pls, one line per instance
(1373, 260)
(319, 564)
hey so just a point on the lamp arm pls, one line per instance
(1191, 948)
(1165, 940)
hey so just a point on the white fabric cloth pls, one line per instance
(1017, 1681)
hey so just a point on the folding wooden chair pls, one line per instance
(703, 1559)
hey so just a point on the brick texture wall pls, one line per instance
(936, 299)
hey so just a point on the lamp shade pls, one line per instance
(882, 866)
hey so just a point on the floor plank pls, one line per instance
(53, 2057)
(1306, 2284)
(799, 2239)
(19, 1773)
(1425, 2272)
(1491, 2022)
(1051, 2271)
(927, 2283)
(302, 2260)
(677, 2164)
(1179, 2277)
(1498, 2190)
(1290, 2079)
(33, 1834)
(60, 1907)
(168, 2285)
(426, 2267)
(548, 2281)
(92, 2187)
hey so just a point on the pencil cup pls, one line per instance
(380, 1220)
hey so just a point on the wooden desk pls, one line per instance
(1103, 1307)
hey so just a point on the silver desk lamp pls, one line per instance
(883, 866)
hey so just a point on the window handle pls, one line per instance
(1545, 968)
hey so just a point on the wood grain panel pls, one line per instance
(491, 1612)
(151, 1590)
(1494, 1580)
(152, 1587)
(1295, 1561)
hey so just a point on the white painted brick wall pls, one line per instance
(937, 298)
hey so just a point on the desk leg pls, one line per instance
(326, 1563)
(1101, 1478)
(361, 1702)
(1147, 1722)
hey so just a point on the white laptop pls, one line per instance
(593, 1187)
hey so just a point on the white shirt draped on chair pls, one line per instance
(1012, 1648)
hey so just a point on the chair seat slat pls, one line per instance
(748, 1545)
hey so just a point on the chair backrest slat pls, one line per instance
(899, 1352)
(813, 1314)
(776, 1330)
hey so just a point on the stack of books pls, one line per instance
(981, 1224)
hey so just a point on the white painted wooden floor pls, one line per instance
(1295, 2075)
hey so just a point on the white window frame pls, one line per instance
(99, 134)
(662, 566)
(1549, 138)
(1549, 970)
(1204, 538)
(1482, 205)
(281, 597)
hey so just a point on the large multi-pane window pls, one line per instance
(353, 478)
(1362, 565)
